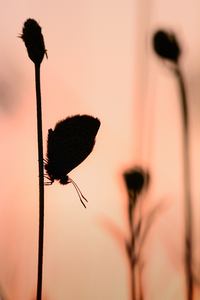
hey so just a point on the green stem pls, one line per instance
(186, 182)
(41, 181)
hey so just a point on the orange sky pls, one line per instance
(100, 63)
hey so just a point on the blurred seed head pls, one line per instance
(34, 41)
(136, 180)
(166, 46)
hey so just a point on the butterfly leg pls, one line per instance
(49, 182)
(45, 161)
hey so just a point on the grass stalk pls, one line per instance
(187, 185)
(34, 42)
(132, 202)
(136, 180)
(41, 182)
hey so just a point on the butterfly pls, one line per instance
(68, 145)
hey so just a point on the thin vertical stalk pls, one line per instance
(136, 180)
(132, 202)
(187, 186)
(141, 296)
(140, 287)
(41, 181)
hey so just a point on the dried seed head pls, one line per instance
(136, 180)
(34, 41)
(166, 45)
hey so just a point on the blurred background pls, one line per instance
(100, 62)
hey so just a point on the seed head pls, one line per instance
(136, 180)
(34, 41)
(166, 46)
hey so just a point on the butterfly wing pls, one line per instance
(70, 143)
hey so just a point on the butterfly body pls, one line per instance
(68, 145)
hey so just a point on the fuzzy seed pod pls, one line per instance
(166, 46)
(136, 180)
(34, 41)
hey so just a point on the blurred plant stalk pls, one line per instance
(136, 181)
(167, 48)
(187, 185)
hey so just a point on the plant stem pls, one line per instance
(141, 296)
(41, 181)
(132, 201)
(187, 186)
(140, 287)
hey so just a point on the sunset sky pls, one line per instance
(100, 62)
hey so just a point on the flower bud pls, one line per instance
(34, 41)
(166, 46)
(136, 180)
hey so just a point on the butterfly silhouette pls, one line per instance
(68, 145)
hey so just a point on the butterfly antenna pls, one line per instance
(80, 195)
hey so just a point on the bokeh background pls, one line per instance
(100, 62)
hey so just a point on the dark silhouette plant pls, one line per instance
(34, 42)
(136, 180)
(68, 144)
(166, 46)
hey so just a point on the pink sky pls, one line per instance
(100, 63)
